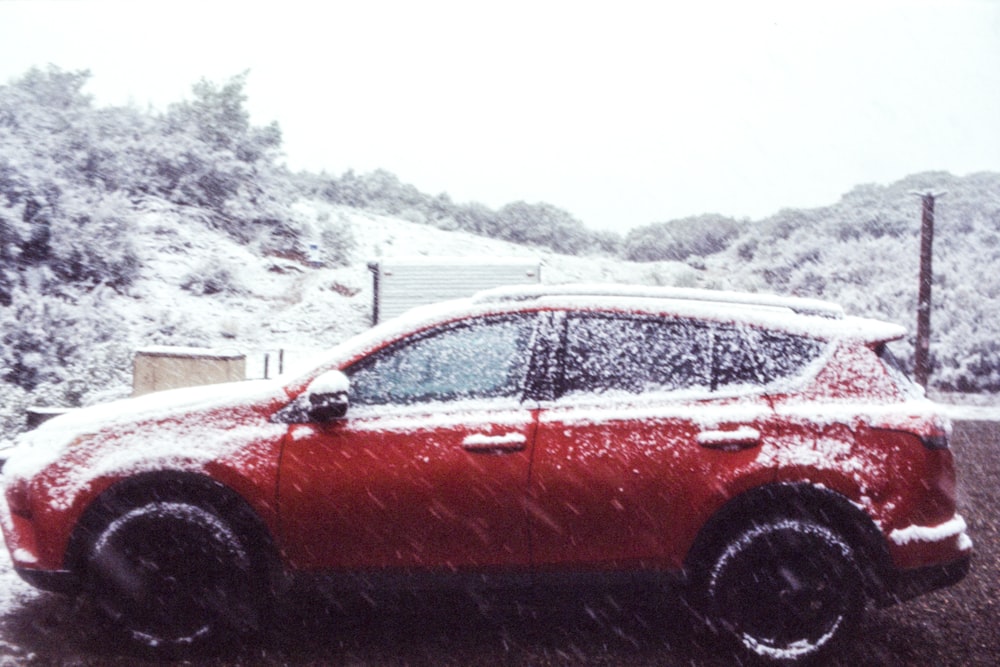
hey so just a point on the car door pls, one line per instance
(429, 468)
(638, 441)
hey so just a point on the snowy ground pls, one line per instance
(970, 407)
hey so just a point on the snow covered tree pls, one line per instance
(679, 239)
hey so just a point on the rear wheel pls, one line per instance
(171, 577)
(785, 591)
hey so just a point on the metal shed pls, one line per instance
(404, 282)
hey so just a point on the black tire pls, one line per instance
(171, 577)
(785, 591)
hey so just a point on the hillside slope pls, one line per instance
(268, 302)
(198, 287)
(863, 252)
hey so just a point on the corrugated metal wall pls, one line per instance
(403, 284)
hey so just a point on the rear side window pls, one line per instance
(640, 354)
(634, 355)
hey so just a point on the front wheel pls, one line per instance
(171, 577)
(784, 591)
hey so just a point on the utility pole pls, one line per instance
(922, 364)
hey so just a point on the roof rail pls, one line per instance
(798, 305)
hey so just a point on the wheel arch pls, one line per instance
(799, 501)
(177, 486)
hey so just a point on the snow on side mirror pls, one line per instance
(328, 397)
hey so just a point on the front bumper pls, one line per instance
(56, 581)
(19, 534)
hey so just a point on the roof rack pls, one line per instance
(798, 305)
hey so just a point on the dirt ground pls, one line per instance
(956, 626)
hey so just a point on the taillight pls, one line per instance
(936, 441)
(933, 435)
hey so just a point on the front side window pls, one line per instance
(485, 358)
(634, 355)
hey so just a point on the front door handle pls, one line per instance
(480, 443)
(735, 440)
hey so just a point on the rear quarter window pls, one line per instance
(748, 356)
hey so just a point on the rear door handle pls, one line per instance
(743, 437)
(480, 443)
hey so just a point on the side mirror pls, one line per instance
(328, 397)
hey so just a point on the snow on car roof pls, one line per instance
(771, 317)
(795, 304)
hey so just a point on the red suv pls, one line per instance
(763, 452)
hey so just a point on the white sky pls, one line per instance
(623, 113)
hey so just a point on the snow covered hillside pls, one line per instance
(272, 302)
(198, 287)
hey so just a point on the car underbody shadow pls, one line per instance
(548, 626)
(540, 625)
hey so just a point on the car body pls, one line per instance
(717, 439)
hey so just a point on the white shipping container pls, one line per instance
(405, 282)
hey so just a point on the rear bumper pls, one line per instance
(926, 558)
(908, 584)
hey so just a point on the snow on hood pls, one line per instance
(35, 450)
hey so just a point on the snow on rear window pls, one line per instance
(744, 355)
(623, 353)
(607, 353)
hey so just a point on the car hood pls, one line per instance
(217, 408)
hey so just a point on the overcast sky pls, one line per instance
(622, 113)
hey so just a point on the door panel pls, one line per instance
(409, 491)
(628, 486)
(656, 422)
(430, 467)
